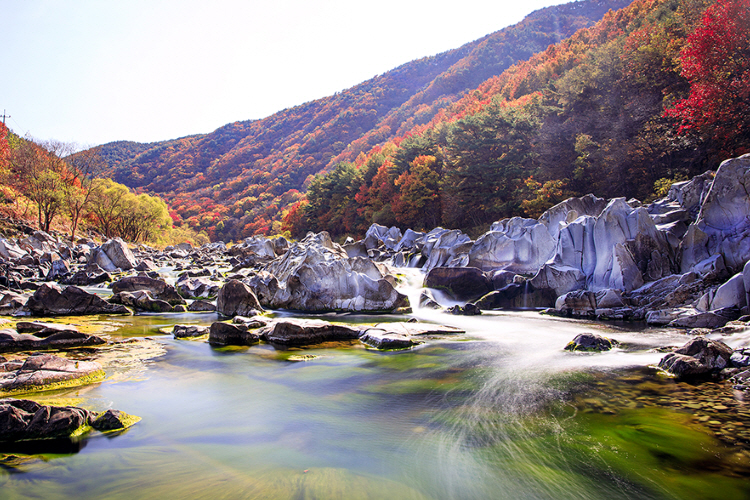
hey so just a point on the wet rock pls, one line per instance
(517, 296)
(446, 248)
(591, 342)
(384, 340)
(187, 331)
(427, 300)
(201, 306)
(711, 319)
(113, 420)
(158, 289)
(578, 303)
(51, 300)
(11, 303)
(86, 278)
(237, 299)
(683, 367)
(462, 283)
(468, 310)
(231, 334)
(198, 287)
(11, 341)
(42, 330)
(700, 356)
(142, 300)
(293, 331)
(45, 371)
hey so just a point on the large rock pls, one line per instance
(10, 251)
(462, 283)
(115, 253)
(51, 300)
(723, 224)
(446, 248)
(517, 244)
(231, 334)
(293, 331)
(158, 289)
(699, 357)
(318, 275)
(194, 288)
(569, 210)
(590, 342)
(47, 372)
(237, 299)
(517, 296)
(11, 341)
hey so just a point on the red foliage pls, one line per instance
(716, 62)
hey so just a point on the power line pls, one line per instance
(5, 116)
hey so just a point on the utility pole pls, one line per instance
(5, 116)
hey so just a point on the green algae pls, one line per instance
(90, 378)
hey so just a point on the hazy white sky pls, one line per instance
(95, 71)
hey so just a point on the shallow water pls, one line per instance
(500, 412)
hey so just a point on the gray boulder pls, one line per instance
(293, 331)
(51, 300)
(158, 289)
(231, 334)
(590, 342)
(237, 299)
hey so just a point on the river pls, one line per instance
(501, 412)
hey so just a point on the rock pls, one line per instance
(237, 299)
(378, 235)
(9, 250)
(47, 372)
(50, 300)
(712, 353)
(446, 248)
(578, 303)
(517, 244)
(558, 278)
(113, 420)
(119, 254)
(293, 331)
(462, 283)
(255, 250)
(252, 322)
(11, 303)
(58, 269)
(713, 319)
(569, 210)
(517, 296)
(317, 275)
(384, 340)
(723, 224)
(427, 300)
(158, 289)
(15, 342)
(591, 342)
(682, 366)
(86, 278)
(200, 287)
(231, 334)
(187, 331)
(201, 306)
(468, 310)
(43, 330)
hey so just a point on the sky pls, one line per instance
(95, 71)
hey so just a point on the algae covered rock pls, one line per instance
(46, 372)
(591, 342)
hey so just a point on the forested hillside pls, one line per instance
(655, 92)
(242, 178)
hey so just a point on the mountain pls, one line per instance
(241, 178)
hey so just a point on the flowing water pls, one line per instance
(499, 412)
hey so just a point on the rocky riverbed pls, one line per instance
(679, 263)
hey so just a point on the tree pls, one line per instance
(716, 62)
(107, 204)
(86, 166)
(41, 174)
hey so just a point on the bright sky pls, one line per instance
(95, 71)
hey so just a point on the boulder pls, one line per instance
(384, 340)
(590, 342)
(201, 306)
(11, 341)
(293, 331)
(236, 298)
(558, 278)
(446, 248)
(578, 303)
(47, 372)
(231, 334)
(119, 254)
(569, 210)
(9, 250)
(517, 296)
(517, 244)
(461, 283)
(682, 366)
(51, 300)
(158, 289)
(317, 275)
(723, 223)
(194, 288)
(187, 331)
(699, 357)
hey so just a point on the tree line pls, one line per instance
(47, 180)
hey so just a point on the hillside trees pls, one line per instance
(716, 62)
